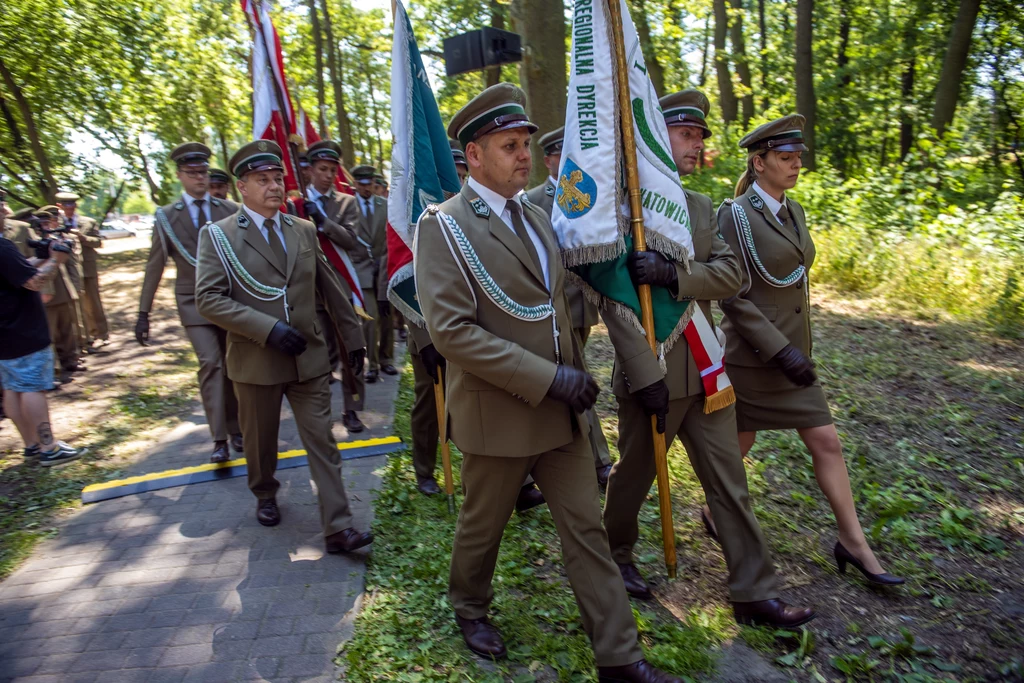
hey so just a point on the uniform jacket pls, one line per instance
(20, 232)
(714, 274)
(584, 313)
(89, 238)
(185, 285)
(371, 241)
(248, 320)
(762, 319)
(499, 367)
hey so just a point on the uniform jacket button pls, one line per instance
(797, 309)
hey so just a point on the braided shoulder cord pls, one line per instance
(165, 226)
(237, 272)
(746, 240)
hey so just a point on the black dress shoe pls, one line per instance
(352, 422)
(844, 556)
(637, 672)
(347, 540)
(771, 613)
(482, 637)
(371, 376)
(267, 513)
(428, 486)
(635, 584)
(237, 444)
(529, 497)
(389, 369)
(220, 452)
(602, 476)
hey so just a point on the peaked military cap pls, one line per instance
(457, 154)
(22, 214)
(686, 108)
(324, 150)
(500, 107)
(551, 142)
(781, 135)
(66, 197)
(191, 154)
(258, 155)
(379, 179)
(303, 160)
(219, 176)
(363, 174)
(47, 212)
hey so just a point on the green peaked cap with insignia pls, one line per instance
(363, 174)
(688, 107)
(258, 155)
(784, 134)
(457, 154)
(551, 142)
(324, 150)
(500, 107)
(191, 154)
(219, 176)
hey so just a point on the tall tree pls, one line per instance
(739, 56)
(959, 47)
(704, 51)
(334, 64)
(492, 75)
(542, 74)
(763, 34)
(806, 102)
(907, 86)
(726, 94)
(47, 183)
(318, 51)
(643, 31)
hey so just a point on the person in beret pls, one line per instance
(677, 396)
(220, 183)
(461, 167)
(259, 275)
(60, 308)
(336, 215)
(768, 326)
(584, 312)
(516, 387)
(176, 236)
(369, 258)
(87, 232)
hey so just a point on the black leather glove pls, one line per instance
(384, 309)
(574, 387)
(651, 268)
(286, 339)
(142, 328)
(796, 366)
(654, 400)
(314, 212)
(432, 361)
(355, 360)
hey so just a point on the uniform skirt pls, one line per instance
(766, 399)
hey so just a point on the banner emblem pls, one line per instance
(576, 191)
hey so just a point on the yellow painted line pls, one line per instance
(343, 446)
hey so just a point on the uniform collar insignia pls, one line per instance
(180, 205)
(480, 208)
(523, 198)
(549, 189)
(214, 201)
(243, 220)
(756, 202)
(286, 218)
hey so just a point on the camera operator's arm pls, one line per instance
(20, 272)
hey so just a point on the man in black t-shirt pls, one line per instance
(26, 357)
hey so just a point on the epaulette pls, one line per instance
(480, 208)
(432, 209)
(243, 220)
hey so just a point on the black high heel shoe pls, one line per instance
(844, 557)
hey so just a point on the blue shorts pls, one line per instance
(30, 373)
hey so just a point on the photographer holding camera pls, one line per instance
(26, 358)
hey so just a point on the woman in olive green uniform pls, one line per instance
(768, 326)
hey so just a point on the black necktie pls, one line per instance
(517, 222)
(786, 219)
(200, 219)
(275, 244)
(367, 209)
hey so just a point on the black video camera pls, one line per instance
(43, 245)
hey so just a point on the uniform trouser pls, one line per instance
(386, 337)
(259, 411)
(598, 444)
(61, 318)
(352, 385)
(219, 402)
(96, 319)
(370, 328)
(712, 445)
(423, 421)
(566, 477)
(78, 310)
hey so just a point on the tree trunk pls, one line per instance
(154, 190)
(542, 71)
(763, 25)
(224, 160)
(739, 56)
(47, 183)
(726, 94)
(806, 103)
(318, 52)
(334, 65)
(845, 148)
(643, 32)
(704, 52)
(907, 86)
(948, 90)
(492, 75)
(376, 118)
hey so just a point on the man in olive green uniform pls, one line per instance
(87, 232)
(584, 313)
(220, 183)
(366, 256)
(336, 215)
(259, 274)
(461, 167)
(176, 236)
(60, 309)
(19, 231)
(516, 390)
(676, 396)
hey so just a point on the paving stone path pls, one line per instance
(184, 585)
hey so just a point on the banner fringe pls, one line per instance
(400, 276)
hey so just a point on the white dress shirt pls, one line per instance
(193, 210)
(315, 196)
(771, 202)
(498, 206)
(258, 222)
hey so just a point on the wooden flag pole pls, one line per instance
(442, 427)
(668, 536)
